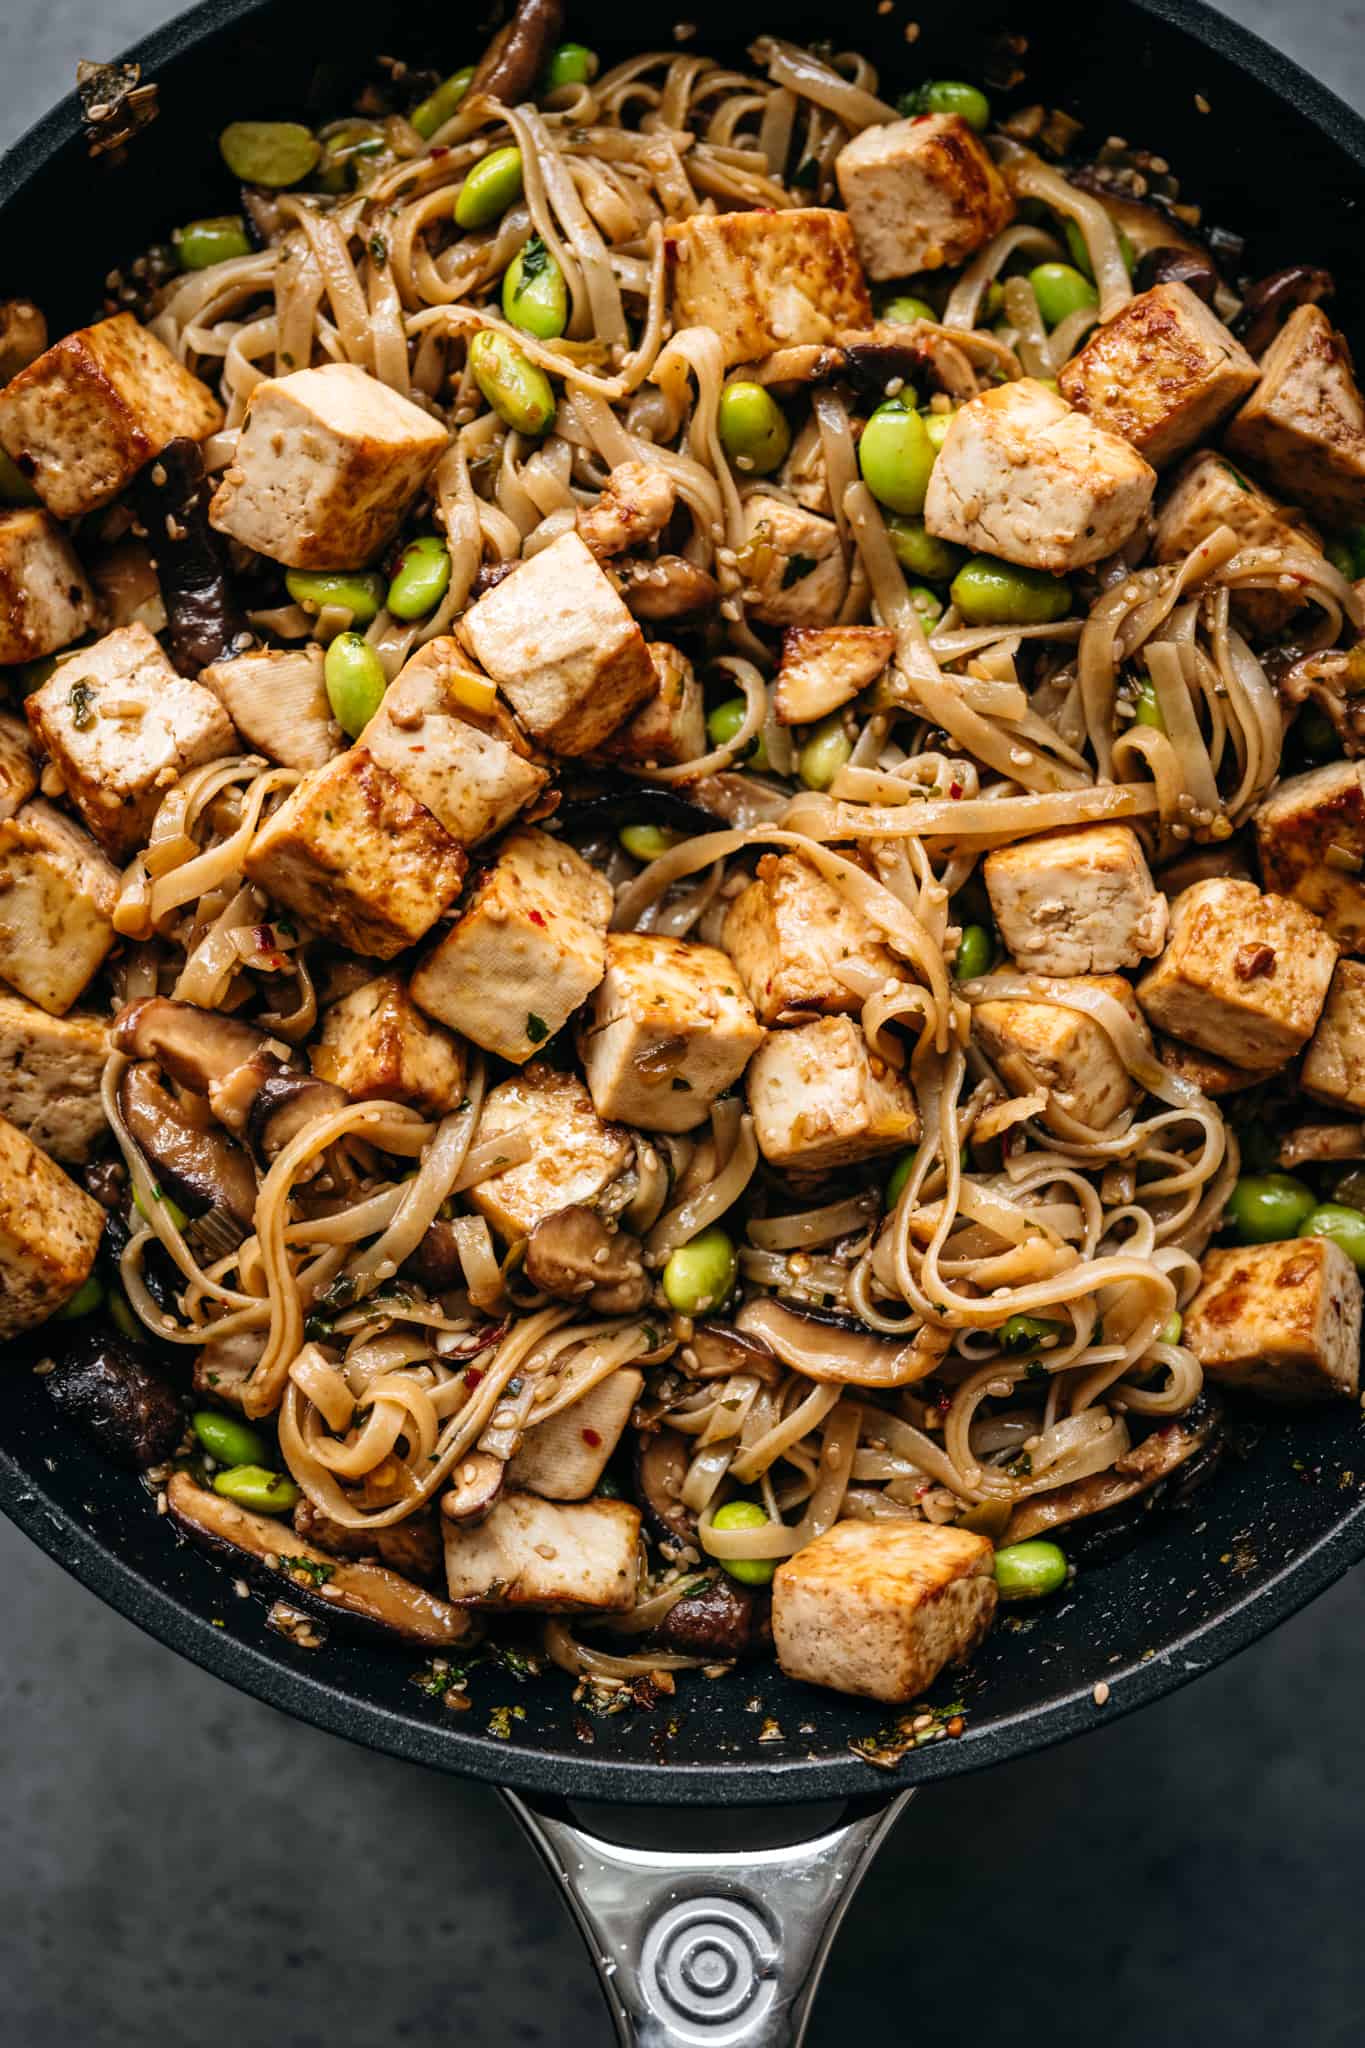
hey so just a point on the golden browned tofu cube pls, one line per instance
(45, 601)
(328, 462)
(57, 897)
(669, 1029)
(1046, 1045)
(357, 858)
(18, 769)
(1212, 1076)
(564, 1458)
(878, 1608)
(762, 281)
(1310, 833)
(1162, 373)
(794, 568)
(669, 729)
(1076, 902)
(276, 698)
(788, 933)
(1208, 491)
(1281, 1320)
(49, 1234)
(1244, 975)
(920, 193)
(376, 1044)
(84, 418)
(468, 766)
(555, 1557)
(574, 1156)
(1305, 422)
(824, 667)
(821, 1098)
(50, 1074)
(1333, 1069)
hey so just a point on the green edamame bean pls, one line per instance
(253, 1487)
(699, 1275)
(975, 953)
(753, 428)
(84, 1301)
(905, 307)
(992, 593)
(202, 242)
(1028, 1333)
(1029, 1571)
(15, 488)
(1080, 255)
(534, 294)
(345, 153)
(1170, 1331)
(229, 1441)
(929, 607)
(921, 553)
(896, 457)
(744, 1514)
(355, 681)
(1061, 290)
(274, 153)
(1148, 710)
(725, 721)
(993, 302)
(435, 111)
(172, 1209)
(493, 184)
(518, 391)
(1345, 1227)
(647, 842)
(1265, 1207)
(950, 96)
(936, 425)
(824, 754)
(354, 590)
(421, 579)
(896, 1179)
(571, 64)
(1342, 557)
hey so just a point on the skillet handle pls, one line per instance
(708, 1927)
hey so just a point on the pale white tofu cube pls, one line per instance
(821, 1099)
(1077, 902)
(878, 1608)
(357, 858)
(635, 504)
(50, 1074)
(670, 1028)
(762, 281)
(1022, 476)
(1244, 975)
(1046, 1045)
(1333, 1069)
(1281, 1320)
(376, 1044)
(328, 462)
(1310, 834)
(528, 947)
(920, 193)
(45, 600)
(84, 418)
(57, 898)
(669, 729)
(563, 646)
(278, 702)
(18, 769)
(122, 728)
(1162, 373)
(794, 568)
(789, 932)
(574, 1156)
(825, 667)
(49, 1234)
(1305, 422)
(554, 1557)
(564, 1458)
(1209, 491)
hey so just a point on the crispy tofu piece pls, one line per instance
(787, 934)
(669, 729)
(1305, 422)
(45, 600)
(57, 897)
(1162, 373)
(278, 702)
(635, 504)
(1333, 1069)
(50, 1074)
(554, 1557)
(357, 858)
(82, 419)
(794, 567)
(669, 1029)
(824, 667)
(821, 1098)
(1077, 902)
(920, 193)
(564, 1458)
(18, 769)
(1208, 491)
(328, 462)
(469, 769)
(376, 1044)
(1310, 833)
(49, 1234)
(575, 1157)
(762, 281)
(1243, 976)
(1281, 1320)
(1045, 1045)
(23, 336)
(1022, 476)
(1212, 1076)
(526, 950)
(878, 1608)
(122, 727)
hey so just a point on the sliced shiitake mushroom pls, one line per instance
(1270, 301)
(172, 498)
(719, 1349)
(200, 1169)
(285, 1103)
(475, 1486)
(572, 1255)
(109, 1389)
(436, 1263)
(511, 67)
(663, 586)
(659, 1471)
(411, 1547)
(721, 1619)
(1167, 264)
(1160, 1472)
(206, 1051)
(832, 1347)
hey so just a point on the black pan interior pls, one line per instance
(1264, 150)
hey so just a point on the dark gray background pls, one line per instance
(182, 1866)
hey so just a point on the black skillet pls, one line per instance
(709, 1917)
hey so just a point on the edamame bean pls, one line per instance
(83, 1302)
(229, 1441)
(950, 96)
(1345, 1227)
(15, 488)
(699, 1275)
(354, 590)
(534, 294)
(1027, 1333)
(921, 553)
(929, 607)
(896, 457)
(975, 952)
(992, 593)
(345, 152)
(905, 307)
(253, 1487)
(1148, 709)
(493, 184)
(744, 1514)
(172, 1209)
(725, 721)
(1340, 554)
(1265, 1207)
(647, 842)
(571, 64)
(753, 428)
(355, 681)
(936, 425)
(273, 153)
(435, 111)
(899, 1175)
(1029, 1571)
(518, 391)
(1171, 1329)
(421, 579)
(1080, 255)
(1060, 290)
(824, 754)
(202, 242)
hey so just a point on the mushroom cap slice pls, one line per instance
(572, 1255)
(836, 1348)
(202, 1169)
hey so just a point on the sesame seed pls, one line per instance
(1100, 1695)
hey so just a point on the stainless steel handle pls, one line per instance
(708, 1927)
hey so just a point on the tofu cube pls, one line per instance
(1244, 975)
(824, 667)
(468, 767)
(921, 194)
(1310, 833)
(1045, 1045)
(1305, 422)
(376, 1044)
(669, 1029)
(278, 702)
(1281, 1320)
(57, 898)
(45, 600)
(357, 858)
(1022, 476)
(528, 947)
(328, 462)
(1333, 1069)
(562, 644)
(1212, 1076)
(821, 1098)
(1208, 491)
(18, 769)
(49, 1234)
(564, 1458)
(762, 281)
(1077, 902)
(878, 1608)
(1162, 373)
(84, 418)
(557, 1558)
(50, 1074)
(574, 1158)
(669, 729)
(787, 934)
(794, 568)
(121, 728)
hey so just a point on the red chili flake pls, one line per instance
(472, 1375)
(954, 788)
(590, 1437)
(439, 150)
(535, 917)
